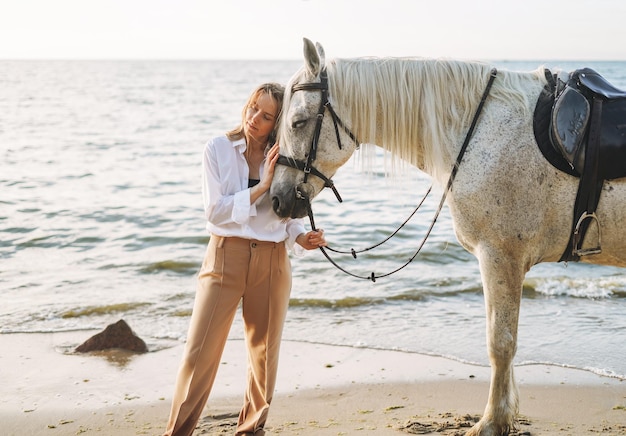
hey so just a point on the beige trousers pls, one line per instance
(258, 274)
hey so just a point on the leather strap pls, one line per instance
(589, 188)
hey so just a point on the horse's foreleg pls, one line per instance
(502, 280)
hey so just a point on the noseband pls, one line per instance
(307, 166)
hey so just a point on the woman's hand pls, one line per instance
(311, 240)
(268, 174)
(270, 164)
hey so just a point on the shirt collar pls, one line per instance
(240, 144)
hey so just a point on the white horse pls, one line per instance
(510, 207)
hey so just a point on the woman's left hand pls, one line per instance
(268, 174)
(270, 163)
(312, 240)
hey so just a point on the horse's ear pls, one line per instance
(311, 58)
(320, 51)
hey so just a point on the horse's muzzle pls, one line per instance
(293, 203)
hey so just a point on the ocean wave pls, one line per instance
(101, 310)
(139, 242)
(179, 267)
(49, 241)
(591, 288)
(603, 372)
(19, 229)
(353, 302)
(341, 303)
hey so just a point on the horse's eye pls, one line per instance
(298, 123)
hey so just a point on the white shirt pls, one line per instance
(227, 197)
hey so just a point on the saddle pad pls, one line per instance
(541, 128)
(569, 120)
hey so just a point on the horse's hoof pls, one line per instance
(488, 429)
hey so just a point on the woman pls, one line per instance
(246, 261)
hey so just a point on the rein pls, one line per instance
(308, 168)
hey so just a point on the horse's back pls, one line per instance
(508, 196)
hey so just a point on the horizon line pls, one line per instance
(195, 59)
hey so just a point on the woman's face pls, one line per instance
(261, 118)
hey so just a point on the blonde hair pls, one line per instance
(276, 91)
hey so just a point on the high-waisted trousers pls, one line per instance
(257, 274)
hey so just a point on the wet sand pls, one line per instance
(322, 390)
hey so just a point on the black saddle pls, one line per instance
(580, 126)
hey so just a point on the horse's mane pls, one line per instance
(418, 109)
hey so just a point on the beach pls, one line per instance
(102, 219)
(321, 390)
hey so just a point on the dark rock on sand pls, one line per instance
(118, 335)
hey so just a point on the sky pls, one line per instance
(273, 29)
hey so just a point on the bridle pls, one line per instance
(308, 168)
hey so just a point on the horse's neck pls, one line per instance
(400, 113)
(420, 110)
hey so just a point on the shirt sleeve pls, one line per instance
(295, 227)
(224, 201)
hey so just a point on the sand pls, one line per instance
(322, 390)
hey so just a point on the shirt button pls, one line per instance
(253, 245)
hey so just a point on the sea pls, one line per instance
(101, 219)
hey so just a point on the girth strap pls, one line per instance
(589, 190)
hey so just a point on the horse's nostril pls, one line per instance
(275, 204)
